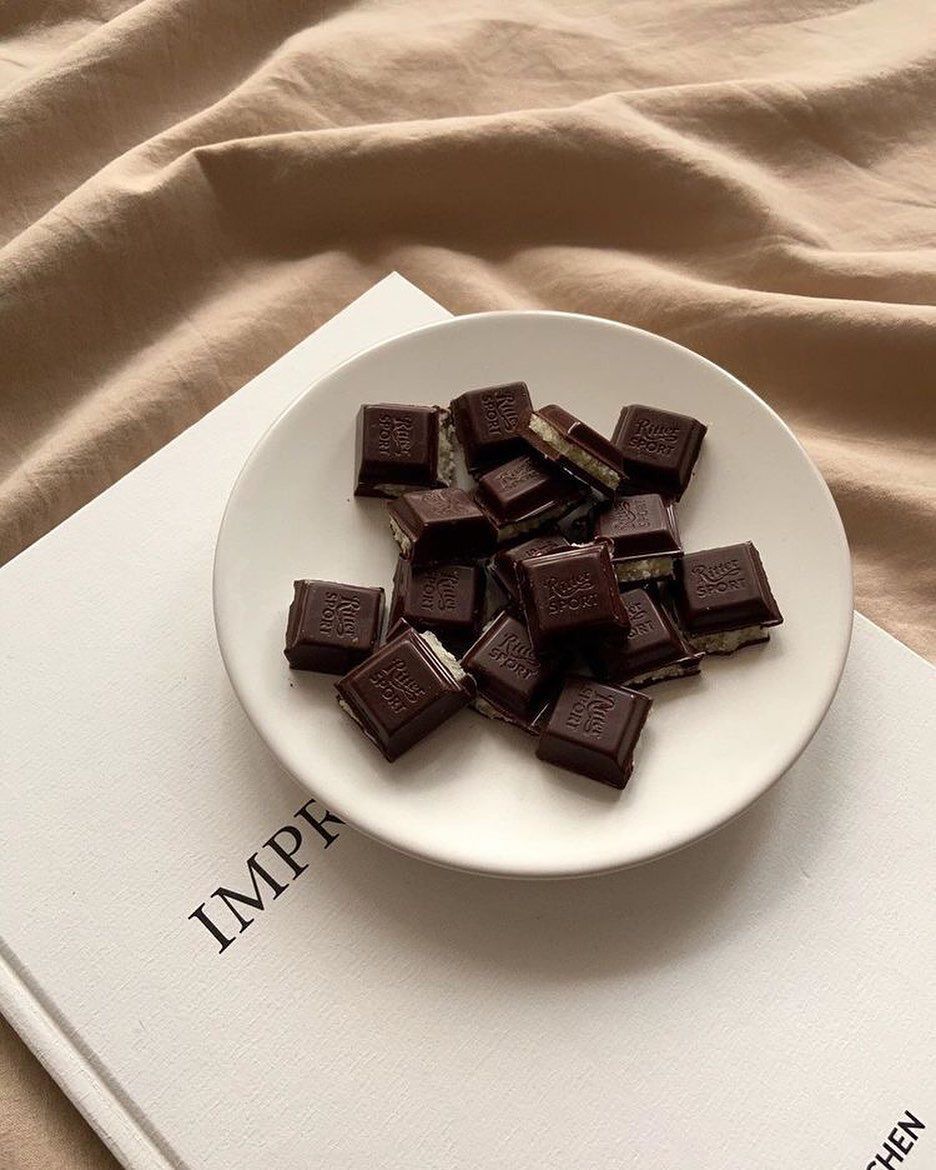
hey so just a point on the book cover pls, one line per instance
(221, 975)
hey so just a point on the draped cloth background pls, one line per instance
(188, 187)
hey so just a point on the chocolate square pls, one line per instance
(332, 626)
(653, 650)
(441, 525)
(399, 447)
(504, 563)
(523, 494)
(513, 682)
(577, 448)
(404, 691)
(569, 595)
(447, 599)
(643, 536)
(593, 730)
(487, 420)
(658, 448)
(721, 592)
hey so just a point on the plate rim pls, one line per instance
(641, 857)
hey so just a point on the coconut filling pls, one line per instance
(445, 462)
(394, 489)
(483, 707)
(730, 640)
(349, 710)
(519, 527)
(645, 569)
(661, 674)
(405, 542)
(446, 657)
(575, 454)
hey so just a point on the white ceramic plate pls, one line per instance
(473, 794)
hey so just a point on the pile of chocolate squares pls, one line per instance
(547, 596)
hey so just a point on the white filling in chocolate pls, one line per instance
(645, 569)
(405, 542)
(348, 710)
(445, 468)
(519, 527)
(729, 640)
(660, 674)
(448, 660)
(483, 707)
(393, 489)
(575, 454)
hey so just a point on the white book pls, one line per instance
(763, 999)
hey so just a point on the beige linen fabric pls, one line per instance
(188, 187)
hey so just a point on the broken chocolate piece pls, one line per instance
(401, 447)
(442, 525)
(569, 443)
(332, 627)
(653, 650)
(514, 683)
(405, 690)
(593, 730)
(723, 599)
(487, 420)
(642, 534)
(569, 595)
(447, 599)
(658, 448)
(523, 495)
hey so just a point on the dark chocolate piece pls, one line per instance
(523, 495)
(447, 599)
(486, 423)
(593, 730)
(332, 627)
(570, 594)
(401, 447)
(643, 536)
(504, 564)
(404, 691)
(659, 448)
(723, 598)
(573, 445)
(513, 682)
(652, 651)
(441, 525)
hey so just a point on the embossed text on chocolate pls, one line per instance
(589, 712)
(396, 685)
(339, 615)
(639, 619)
(394, 434)
(516, 655)
(276, 865)
(437, 590)
(500, 411)
(438, 503)
(633, 513)
(517, 472)
(654, 438)
(573, 593)
(721, 577)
